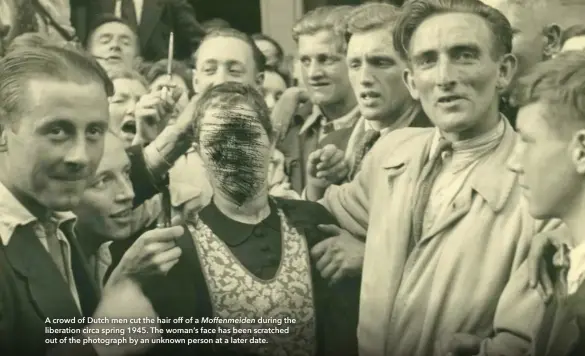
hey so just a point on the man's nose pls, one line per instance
(221, 76)
(365, 75)
(445, 74)
(77, 157)
(126, 191)
(314, 70)
(513, 162)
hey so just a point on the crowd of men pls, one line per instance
(416, 188)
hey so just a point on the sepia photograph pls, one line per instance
(292, 177)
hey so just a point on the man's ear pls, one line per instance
(552, 38)
(507, 71)
(3, 145)
(577, 148)
(260, 79)
(408, 80)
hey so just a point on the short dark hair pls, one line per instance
(228, 96)
(259, 59)
(21, 66)
(560, 82)
(177, 68)
(415, 12)
(325, 18)
(573, 31)
(105, 19)
(372, 16)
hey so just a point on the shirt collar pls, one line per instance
(234, 232)
(404, 121)
(495, 134)
(14, 214)
(317, 116)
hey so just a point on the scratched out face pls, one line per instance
(235, 149)
(453, 72)
(224, 59)
(56, 146)
(114, 44)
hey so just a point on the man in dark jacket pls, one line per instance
(48, 154)
(152, 20)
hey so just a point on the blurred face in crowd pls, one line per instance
(106, 206)
(375, 72)
(574, 44)
(323, 68)
(225, 59)
(454, 74)
(114, 44)
(127, 93)
(269, 51)
(543, 149)
(534, 40)
(235, 149)
(178, 82)
(273, 87)
(57, 143)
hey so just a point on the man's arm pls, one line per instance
(522, 310)
(151, 164)
(349, 203)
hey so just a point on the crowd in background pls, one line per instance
(408, 182)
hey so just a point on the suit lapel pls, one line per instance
(87, 288)
(151, 11)
(48, 292)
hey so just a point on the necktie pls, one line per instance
(55, 248)
(128, 12)
(428, 175)
(365, 145)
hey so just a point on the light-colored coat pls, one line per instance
(453, 279)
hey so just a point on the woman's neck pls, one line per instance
(252, 211)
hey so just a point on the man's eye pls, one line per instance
(57, 133)
(95, 133)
